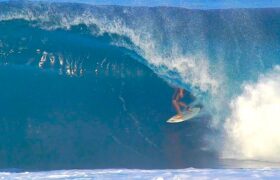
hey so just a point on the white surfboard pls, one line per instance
(187, 115)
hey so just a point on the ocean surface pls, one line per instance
(90, 87)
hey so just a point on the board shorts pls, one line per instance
(176, 95)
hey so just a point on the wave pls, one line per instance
(252, 126)
(211, 53)
(72, 100)
(147, 40)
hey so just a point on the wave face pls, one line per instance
(90, 86)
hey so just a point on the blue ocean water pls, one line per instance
(90, 86)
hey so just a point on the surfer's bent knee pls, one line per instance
(174, 101)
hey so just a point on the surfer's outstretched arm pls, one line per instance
(184, 105)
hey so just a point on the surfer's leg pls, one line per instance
(177, 107)
(175, 102)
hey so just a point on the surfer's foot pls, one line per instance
(188, 109)
(179, 116)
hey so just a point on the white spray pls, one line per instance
(253, 127)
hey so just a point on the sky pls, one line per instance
(182, 3)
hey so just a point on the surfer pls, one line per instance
(177, 103)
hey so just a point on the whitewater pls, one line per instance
(90, 87)
(190, 173)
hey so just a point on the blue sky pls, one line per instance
(183, 3)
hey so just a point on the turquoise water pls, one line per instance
(91, 86)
